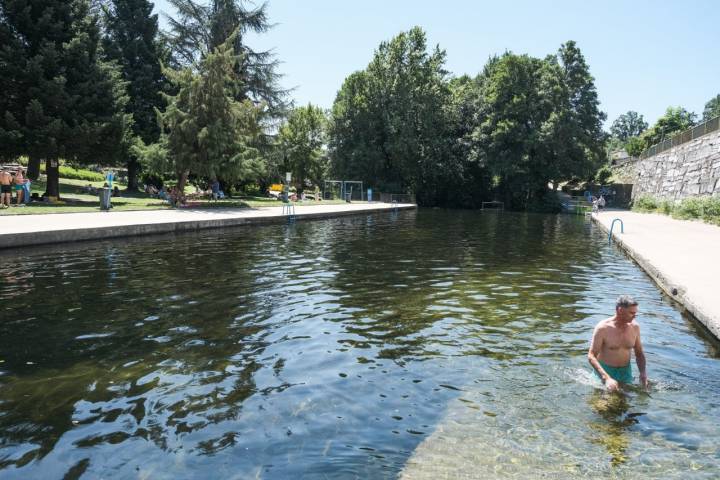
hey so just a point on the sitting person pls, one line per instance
(116, 191)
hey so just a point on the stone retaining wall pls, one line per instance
(688, 170)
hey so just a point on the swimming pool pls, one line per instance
(412, 344)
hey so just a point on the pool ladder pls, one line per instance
(289, 210)
(612, 225)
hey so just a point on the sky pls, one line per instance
(645, 56)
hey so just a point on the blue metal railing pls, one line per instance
(612, 225)
(289, 210)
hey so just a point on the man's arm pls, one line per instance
(595, 348)
(640, 358)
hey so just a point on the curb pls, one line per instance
(52, 237)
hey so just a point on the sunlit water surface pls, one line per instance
(334, 349)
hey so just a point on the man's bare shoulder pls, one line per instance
(604, 324)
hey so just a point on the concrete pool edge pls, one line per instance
(80, 229)
(673, 287)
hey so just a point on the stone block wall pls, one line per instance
(688, 170)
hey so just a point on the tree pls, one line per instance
(131, 40)
(540, 123)
(206, 130)
(712, 108)
(201, 27)
(301, 140)
(630, 124)
(61, 99)
(675, 120)
(390, 121)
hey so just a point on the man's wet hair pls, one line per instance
(625, 301)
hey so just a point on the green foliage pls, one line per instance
(630, 124)
(206, 131)
(712, 108)
(675, 120)
(131, 40)
(666, 207)
(530, 108)
(689, 208)
(704, 208)
(603, 175)
(60, 99)
(711, 210)
(635, 146)
(390, 121)
(301, 140)
(645, 203)
(80, 174)
(201, 27)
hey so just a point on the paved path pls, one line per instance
(25, 230)
(683, 257)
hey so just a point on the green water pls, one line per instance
(341, 349)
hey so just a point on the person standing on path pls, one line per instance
(19, 186)
(612, 343)
(5, 189)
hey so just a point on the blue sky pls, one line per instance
(645, 56)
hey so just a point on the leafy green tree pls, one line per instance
(200, 27)
(630, 124)
(206, 131)
(390, 122)
(60, 99)
(541, 123)
(302, 140)
(131, 40)
(712, 108)
(634, 146)
(675, 120)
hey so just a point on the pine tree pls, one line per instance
(206, 130)
(131, 39)
(201, 27)
(64, 101)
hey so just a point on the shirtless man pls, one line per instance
(5, 189)
(612, 341)
(19, 185)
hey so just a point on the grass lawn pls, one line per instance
(74, 201)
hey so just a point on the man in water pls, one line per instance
(612, 341)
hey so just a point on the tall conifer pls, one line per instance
(131, 39)
(64, 102)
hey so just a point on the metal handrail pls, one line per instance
(612, 225)
(683, 137)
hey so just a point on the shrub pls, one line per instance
(635, 146)
(711, 210)
(689, 208)
(645, 203)
(603, 175)
(79, 174)
(666, 207)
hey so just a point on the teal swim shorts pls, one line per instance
(621, 374)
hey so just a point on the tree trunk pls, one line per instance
(52, 169)
(33, 170)
(182, 180)
(133, 168)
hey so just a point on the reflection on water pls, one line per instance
(341, 348)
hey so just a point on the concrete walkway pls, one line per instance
(26, 230)
(683, 257)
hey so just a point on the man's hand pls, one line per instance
(644, 380)
(612, 385)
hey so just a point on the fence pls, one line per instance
(683, 137)
(398, 197)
